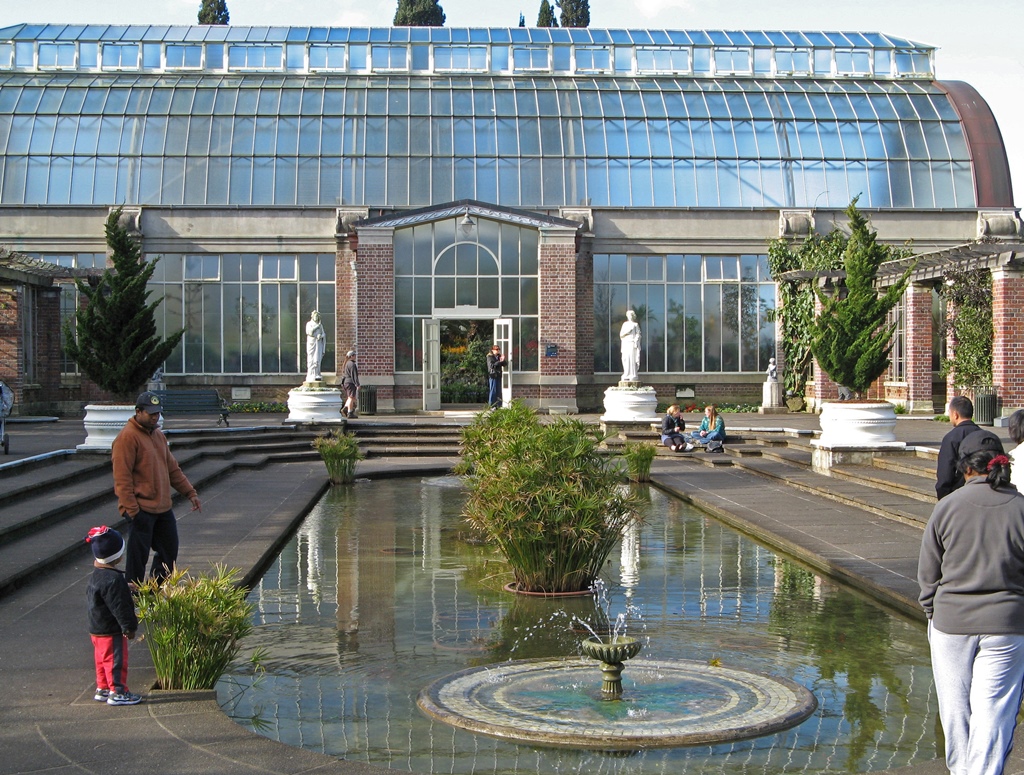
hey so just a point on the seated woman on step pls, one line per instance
(672, 430)
(712, 427)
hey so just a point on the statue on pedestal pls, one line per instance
(629, 336)
(316, 342)
(771, 394)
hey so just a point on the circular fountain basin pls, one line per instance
(667, 703)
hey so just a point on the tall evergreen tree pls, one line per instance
(522, 20)
(546, 17)
(419, 13)
(214, 12)
(575, 13)
(113, 337)
(852, 338)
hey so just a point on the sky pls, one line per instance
(978, 42)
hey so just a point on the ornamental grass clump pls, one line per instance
(545, 496)
(194, 625)
(638, 457)
(340, 452)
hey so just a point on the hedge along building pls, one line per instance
(548, 178)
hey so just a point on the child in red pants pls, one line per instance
(112, 620)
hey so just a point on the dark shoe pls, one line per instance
(126, 698)
(344, 411)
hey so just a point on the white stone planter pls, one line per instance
(102, 424)
(857, 423)
(316, 405)
(630, 405)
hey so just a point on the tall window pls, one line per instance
(243, 313)
(443, 270)
(698, 313)
(898, 367)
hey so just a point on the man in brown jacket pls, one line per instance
(144, 473)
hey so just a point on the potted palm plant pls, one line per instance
(113, 336)
(545, 495)
(851, 339)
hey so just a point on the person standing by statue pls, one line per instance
(350, 382)
(316, 342)
(629, 336)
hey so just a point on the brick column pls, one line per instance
(825, 389)
(918, 324)
(12, 346)
(559, 294)
(1008, 342)
(48, 353)
(373, 286)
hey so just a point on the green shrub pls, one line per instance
(258, 407)
(638, 457)
(193, 626)
(545, 496)
(340, 452)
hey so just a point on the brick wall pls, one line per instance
(11, 346)
(1008, 328)
(919, 348)
(375, 313)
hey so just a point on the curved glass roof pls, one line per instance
(581, 35)
(618, 118)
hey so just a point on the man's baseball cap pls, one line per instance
(980, 441)
(150, 402)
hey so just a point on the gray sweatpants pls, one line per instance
(978, 680)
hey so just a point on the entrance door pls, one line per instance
(431, 365)
(503, 338)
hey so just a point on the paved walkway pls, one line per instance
(49, 722)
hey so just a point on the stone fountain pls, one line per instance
(611, 655)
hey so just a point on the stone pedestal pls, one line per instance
(315, 402)
(629, 404)
(852, 433)
(771, 399)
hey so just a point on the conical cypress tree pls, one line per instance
(113, 336)
(546, 16)
(851, 339)
(214, 12)
(419, 13)
(575, 13)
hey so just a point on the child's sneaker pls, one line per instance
(123, 698)
(101, 695)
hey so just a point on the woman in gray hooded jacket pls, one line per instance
(971, 574)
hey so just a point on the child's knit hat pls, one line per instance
(107, 544)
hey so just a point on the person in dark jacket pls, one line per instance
(672, 430)
(112, 619)
(350, 382)
(495, 366)
(971, 574)
(947, 478)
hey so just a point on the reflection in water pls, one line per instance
(385, 589)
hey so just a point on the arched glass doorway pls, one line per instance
(446, 269)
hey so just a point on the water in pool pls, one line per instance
(384, 589)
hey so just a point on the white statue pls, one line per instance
(315, 344)
(629, 337)
(773, 371)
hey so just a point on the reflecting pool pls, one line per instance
(384, 589)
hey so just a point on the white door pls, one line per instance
(503, 338)
(431, 365)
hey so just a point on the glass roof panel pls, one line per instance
(817, 39)
(620, 36)
(838, 39)
(718, 38)
(759, 38)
